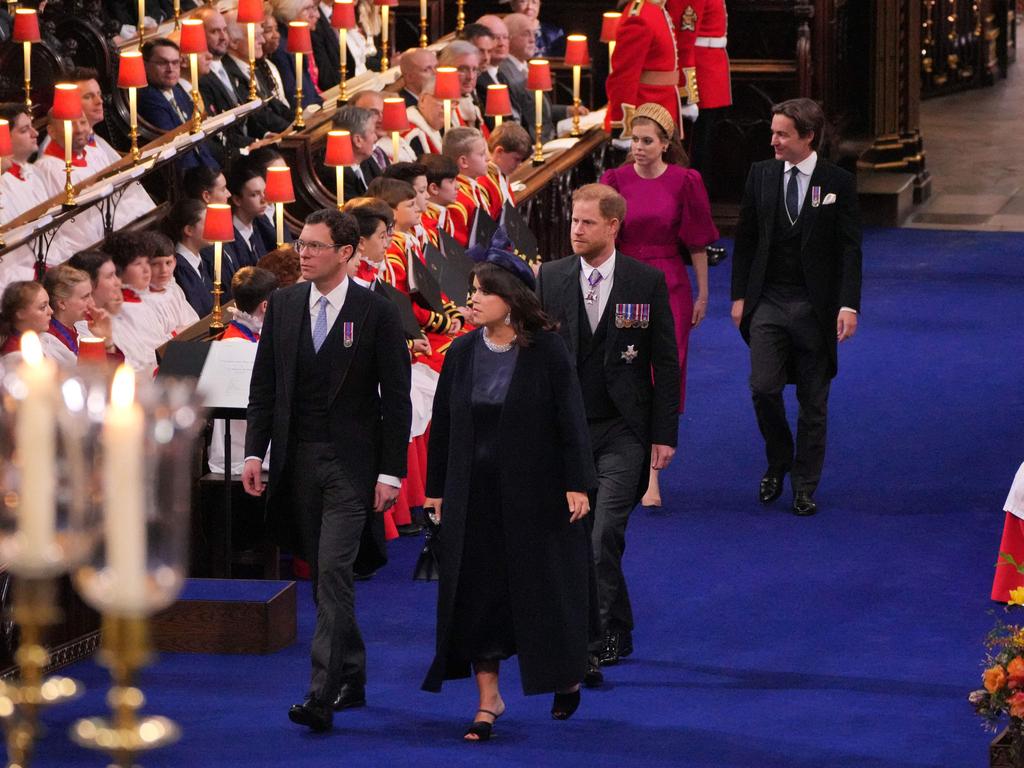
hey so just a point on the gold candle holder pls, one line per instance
(538, 147)
(177, 14)
(424, 39)
(339, 195)
(35, 608)
(251, 40)
(133, 130)
(124, 650)
(342, 65)
(299, 122)
(460, 18)
(385, 63)
(197, 113)
(69, 188)
(27, 50)
(217, 316)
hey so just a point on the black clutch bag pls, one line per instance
(427, 563)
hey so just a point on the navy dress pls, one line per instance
(482, 629)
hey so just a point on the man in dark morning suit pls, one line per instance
(362, 124)
(330, 389)
(327, 52)
(164, 103)
(796, 282)
(615, 317)
(285, 63)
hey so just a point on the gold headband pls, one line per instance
(653, 112)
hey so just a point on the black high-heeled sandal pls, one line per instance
(481, 728)
(565, 704)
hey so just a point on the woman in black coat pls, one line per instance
(510, 458)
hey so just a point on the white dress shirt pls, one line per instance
(803, 177)
(217, 67)
(604, 288)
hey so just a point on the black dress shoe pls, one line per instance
(412, 529)
(803, 504)
(609, 653)
(771, 486)
(350, 696)
(593, 677)
(313, 714)
(625, 643)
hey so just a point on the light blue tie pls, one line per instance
(320, 329)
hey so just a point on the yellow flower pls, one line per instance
(1016, 596)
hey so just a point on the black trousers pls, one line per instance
(332, 513)
(619, 459)
(785, 337)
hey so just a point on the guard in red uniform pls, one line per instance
(645, 65)
(701, 27)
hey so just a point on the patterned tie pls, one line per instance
(381, 157)
(793, 196)
(320, 328)
(592, 299)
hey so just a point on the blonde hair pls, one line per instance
(60, 282)
(511, 137)
(457, 142)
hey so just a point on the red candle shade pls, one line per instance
(132, 71)
(576, 53)
(91, 351)
(498, 101)
(339, 148)
(193, 36)
(395, 116)
(26, 26)
(343, 15)
(218, 226)
(67, 101)
(610, 26)
(250, 11)
(538, 76)
(446, 85)
(389, 3)
(279, 185)
(299, 40)
(5, 139)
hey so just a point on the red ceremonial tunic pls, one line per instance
(436, 218)
(702, 26)
(497, 190)
(645, 51)
(463, 210)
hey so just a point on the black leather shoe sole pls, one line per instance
(804, 506)
(349, 702)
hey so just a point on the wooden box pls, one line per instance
(228, 616)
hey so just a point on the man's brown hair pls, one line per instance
(610, 203)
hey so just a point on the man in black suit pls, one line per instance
(274, 116)
(330, 389)
(418, 67)
(796, 292)
(616, 320)
(362, 124)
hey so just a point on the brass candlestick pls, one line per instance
(538, 147)
(385, 63)
(35, 607)
(197, 113)
(460, 19)
(27, 52)
(217, 316)
(69, 188)
(133, 130)
(124, 650)
(424, 39)
(251, 32)
(342, 65)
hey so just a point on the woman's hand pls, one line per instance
(579, 505)
(700, 311)
(99, 322)
(433, 506)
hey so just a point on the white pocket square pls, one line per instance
(829, 199)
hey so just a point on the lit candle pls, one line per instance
(340, 186)
(124, 492)
(67, 142)
(279, 215)
(142, 16)
(133, 107)
(447, 114)
(35, 441)
(423, 9)
(217, 257)
(27, 49)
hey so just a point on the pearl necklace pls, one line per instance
(497, 347)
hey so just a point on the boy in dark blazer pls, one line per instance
(796, 292)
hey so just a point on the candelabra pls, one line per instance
(538, 80)
(218, 229)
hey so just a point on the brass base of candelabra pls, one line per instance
(69, 188)
(299, 122)
(538, 147)
(35, 607)
(133, 134)
(28, 96)
(124, 649)
(216, 316)
(342, 90)
(197, 114)
(460, 19)
(252, 79)
(424, 39)
(576, 117)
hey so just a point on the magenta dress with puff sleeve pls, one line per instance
(664, 215)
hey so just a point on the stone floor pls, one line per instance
(975, 151)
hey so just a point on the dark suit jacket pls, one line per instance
(369, 412)
(516, 96)
(327, 54)
(273, 116)
(830, 253)
(217, 98)
(229, 264)
(353, 186)
(285, 63)
(197, 289)
(526, 103)
(646, 390)
(155, 110)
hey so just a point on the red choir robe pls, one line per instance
(463, 210)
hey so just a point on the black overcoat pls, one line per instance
(545, 452)
(830, 252)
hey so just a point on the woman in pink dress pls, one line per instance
(667, 214)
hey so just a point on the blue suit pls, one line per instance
(158, 112)
(197, 288)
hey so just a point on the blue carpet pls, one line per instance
(847, 639)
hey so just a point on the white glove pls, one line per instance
(623, 144)
(690, 112)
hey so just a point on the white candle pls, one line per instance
(67, 142)
(423, 9)
(251, 40)
(394, 146)
(133, 107)
(124, 500)
(279, 214)
(340, 182)
(343, 46)
(27, 47)
(576, 71)
(36, 444)
(142, 16)
(447, 114)
(217, 257)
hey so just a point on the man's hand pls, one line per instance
(421, 347)
(455, 326)
(579, 505)
(737, 312)
(661, 455)
(846, 324)
(384, 497)
(252, 477)
(581, 111)
(433, 506)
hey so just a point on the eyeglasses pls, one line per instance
(314, 247)
(165, 62)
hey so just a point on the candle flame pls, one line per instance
(122, 391)
(31, 349)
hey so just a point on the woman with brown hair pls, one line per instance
(668, 215)
(514, 557)
(23, 307)
(70, 292)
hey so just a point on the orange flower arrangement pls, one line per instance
(994, 678)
